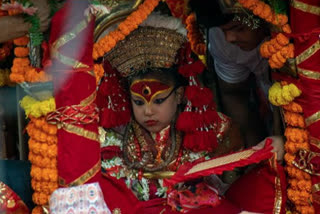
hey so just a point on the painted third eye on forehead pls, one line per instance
(148, 89)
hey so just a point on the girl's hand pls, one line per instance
(278, 146)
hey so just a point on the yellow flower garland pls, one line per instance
(283, 95)
(43, 150)
(36, 108)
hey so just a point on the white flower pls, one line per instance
(145, 189)
(111, 140)
(107, 164)
(161, 190)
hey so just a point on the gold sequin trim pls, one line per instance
(305, 7)
(309, 74)
(80, 132)
(313, 118)
(308, 52)
(68, 61)
(315, 188)
(90, 99)
(221, 161)
(315, 142)
(84, 177)
(278, 198)
(65, 39)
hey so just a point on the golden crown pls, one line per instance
(146, 47)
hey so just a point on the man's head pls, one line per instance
(214, 14)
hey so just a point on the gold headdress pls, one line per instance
(148, 47)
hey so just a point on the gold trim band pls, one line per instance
(88, 100)
(309, 74)
(70, 35)
(313, 118)
(315, 142)
(65, 39)
(68, 61)
(221, 161)
(306, 54)
(81, 132)
(315, 188)
(278, 198)
(306, 7)
(84, 177)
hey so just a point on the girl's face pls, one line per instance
(154, 103)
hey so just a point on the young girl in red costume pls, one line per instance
(173, 122)
(146, 137)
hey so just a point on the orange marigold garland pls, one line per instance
(42, 155)
(194, 35)
(21, 69)
(278, 49)
(299, 191)
(131, 23)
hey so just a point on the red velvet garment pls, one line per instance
(307, 25)
(118, 196)
(78, 152)
(262, 190)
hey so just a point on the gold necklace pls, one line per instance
(131, 156)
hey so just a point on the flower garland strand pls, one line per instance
(299, 191)
(283, 93)
(194, 35)
(36, 108)
(42, 150)
(21, 69)
(278, 49)
(131, 23)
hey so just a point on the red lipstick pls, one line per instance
(151, 122)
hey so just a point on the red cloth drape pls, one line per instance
(76, 154)
(304, 22)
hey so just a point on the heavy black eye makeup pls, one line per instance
(138, 102)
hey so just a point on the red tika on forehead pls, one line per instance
(147, 89)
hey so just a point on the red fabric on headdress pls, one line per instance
(112, 100)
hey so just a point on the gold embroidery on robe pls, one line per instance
(68, 61)
(315, 188)
(313, 118)
(84, 177)
(220, 161)
(88, 100)
(81, 132)
(306, 7)
(306, 54)
(315, 142)
(309, 74)
(65, 39)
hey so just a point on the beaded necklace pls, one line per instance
(137, 153)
